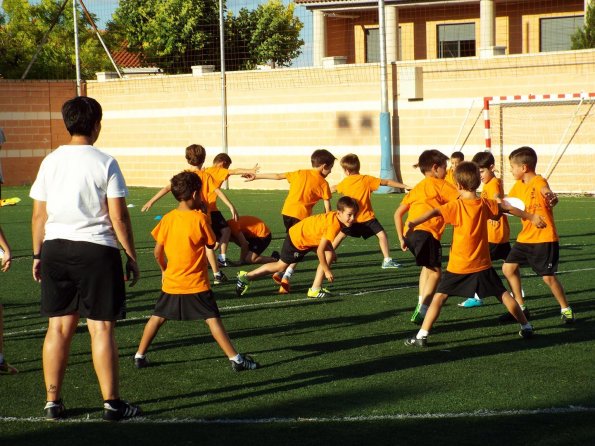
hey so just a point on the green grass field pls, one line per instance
(335, 371)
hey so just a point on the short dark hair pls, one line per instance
(484, 159)
(350, 163)
(184, 184)
(347, 202)
(428, 158)
(467, 175)
(458, 155)
(222, 158)
(81, 115)
(195, 155)
(321, 157)
(524, 155)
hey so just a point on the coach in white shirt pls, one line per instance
(79, 215)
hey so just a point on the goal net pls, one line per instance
(561, 129)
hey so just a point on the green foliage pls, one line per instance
(584, 37)
(24, 28)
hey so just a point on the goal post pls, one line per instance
(561, 129)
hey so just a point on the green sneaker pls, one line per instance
(318, 294)
(417, 317)
(567, 316)
(242, 283)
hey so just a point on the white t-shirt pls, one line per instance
(75, 182)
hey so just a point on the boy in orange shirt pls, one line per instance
(253, 236)
(360, 187)
(469, 267)
(220, 172)
(195, 155)
(538, 248)
(306, 188)
(181, 238)
(312, 233)
(455, 159)
(424, 242)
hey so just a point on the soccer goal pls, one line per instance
(560, 127)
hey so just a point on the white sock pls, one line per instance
(287, 274)
(222, 257)
(138, 356)
(522, 292)
(237, 359)
(420, 299)
(527, 326)
(476, 297)
(561, 311)
(388, 259)
(421, 334)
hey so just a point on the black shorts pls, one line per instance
(426, 249)
(541, 257)
(290, 254)
(499, 251)
(485, 283)
(364, 230)
(258, 244)
(288, 222)
(187, 307)
(218, 223)
(84, 278)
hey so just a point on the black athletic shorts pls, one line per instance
(84, 278)
(364, 230)
(288, 222)
(187, 307)
(484, 283)
(426, 249)
(258, 244)
(218, 223)
(499, 251)
(541, 257)
(290, 254)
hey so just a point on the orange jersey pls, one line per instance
(498, 230)
(306, 188)
(535, 203)
(470, 251)
(450, 176)
(360, 188)
(428, 194)
(184, 235)
(250, 226)
(307, 233)
(219, 175)
(208, 188)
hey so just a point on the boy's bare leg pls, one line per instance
(56, 348)
(212, 258)
(433, 276)
(254, 258)
(557, 290)
(423, 277)
(513, 308)
(434, 311)
(224, 240)
(512, 273)
(268, 268)
(383, 242)
(105, 357)
(221, 337)
(151, 328)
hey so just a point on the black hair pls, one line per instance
(81, 115)
(429, 158)
(322, 157)
(524, 155)
(484, 159)
(184, 184)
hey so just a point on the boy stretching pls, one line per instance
(253, 236)
(220, 172)
(424, 240)
(181, 238)
(313, 233)
(195, 155)
(306, 188)
(360, 187)
(469, 267)
(538, 248)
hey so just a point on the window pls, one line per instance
(555, 33)
(372, 45)
(456, 40)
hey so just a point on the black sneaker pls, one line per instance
(116, 410)
(247, 364)
(141, 363)
(507, 317)
(414, 342)
(223, 263)
(219, 278)
(275, 255)
(526, 333)
(54, 410)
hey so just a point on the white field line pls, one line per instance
(273, 303)
(482, 413)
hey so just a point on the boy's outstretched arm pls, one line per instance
(324, 246)
(399, 213)
(241, 171)
(264, 176)
(536, 220)
(391, 183)
(224, 199)
(327, 206)
(424, 217)
(164, 191)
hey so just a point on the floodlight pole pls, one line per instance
(387, 170)
(223, 86)
(76, 48)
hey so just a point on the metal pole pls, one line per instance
(76, 48)
(386, 148)
(223, 86)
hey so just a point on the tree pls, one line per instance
(584, 37)
(24, 26)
